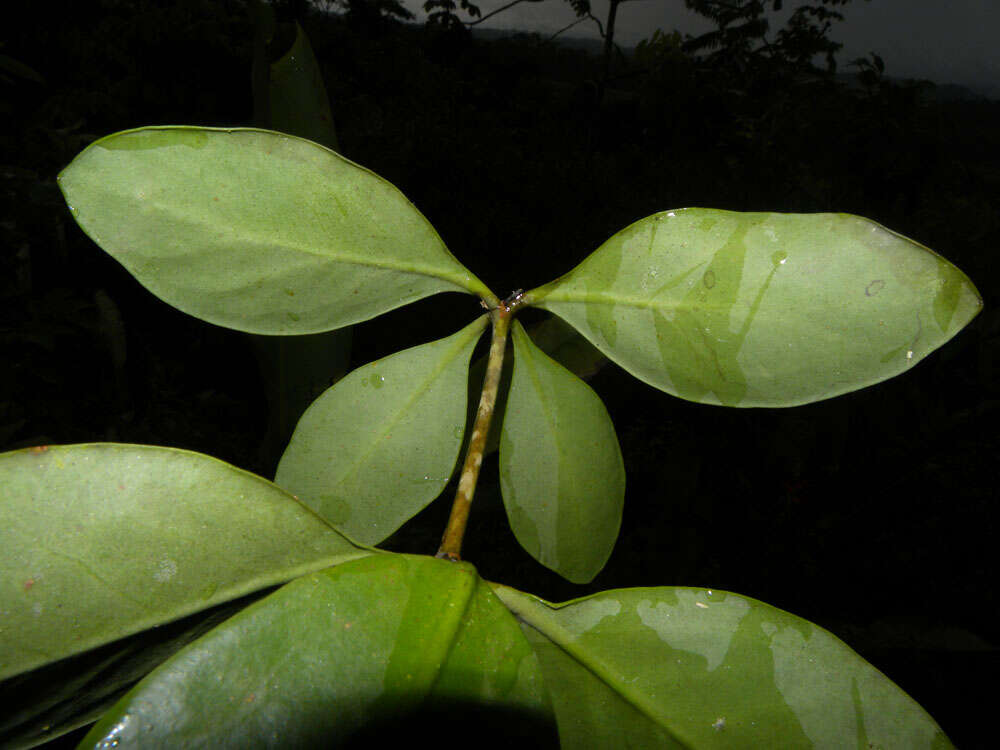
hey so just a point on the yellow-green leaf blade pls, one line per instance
(561, 469)
(762, 309)
(363, 647)
(684, 667)
(255, 230)
(103, 540)
(378, 446)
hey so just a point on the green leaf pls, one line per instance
(104, 540)
(336, 656)
(378, 446)
(554, 337)
(289, 96)
(297, 95)
(561, 470)
(684, 667)
(762, 309)
(50, 701)
(255, 230)
(567, 347)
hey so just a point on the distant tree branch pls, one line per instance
(567, 28)
(501, 9)
(595, 19)
(581, 7)
(443, 11)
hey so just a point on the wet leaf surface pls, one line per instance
(561, 470)
(684, 667)
(762, 309)
(392, 647)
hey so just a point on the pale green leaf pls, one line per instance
(762, 309)
(561, 470)
(378, 446)
(104, 540)
(289, 96)
(692, 668)
(392, 647)
(256, 230)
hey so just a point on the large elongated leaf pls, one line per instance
(561, 470)
(343, 657)
(762, 309)
(297, 95)
(255, 230)
(378, 446)
(104, 540)
(691, 668)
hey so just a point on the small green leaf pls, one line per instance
(256, 230)
(553, 336)
(340, 656)
(561, 470)
(762, 309)
(104, 540)
(691, 668)
(378, 446)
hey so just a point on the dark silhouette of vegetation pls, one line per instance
(367, 11)
(443, 12)
(870, 507)
(741, 37)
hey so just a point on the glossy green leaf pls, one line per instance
(762, 309)
(690, 668)
(256, 230)
(50, 701)
(104, 540)
(561, 470)
(336, 656)
(378, 446)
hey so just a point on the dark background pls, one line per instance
(873, 514)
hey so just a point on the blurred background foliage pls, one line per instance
(872, 514)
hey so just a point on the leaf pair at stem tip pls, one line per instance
(269, 233)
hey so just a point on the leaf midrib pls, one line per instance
(248, 240)
(564, 640)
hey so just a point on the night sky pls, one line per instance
(952, 42)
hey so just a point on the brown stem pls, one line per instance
(451, 542)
